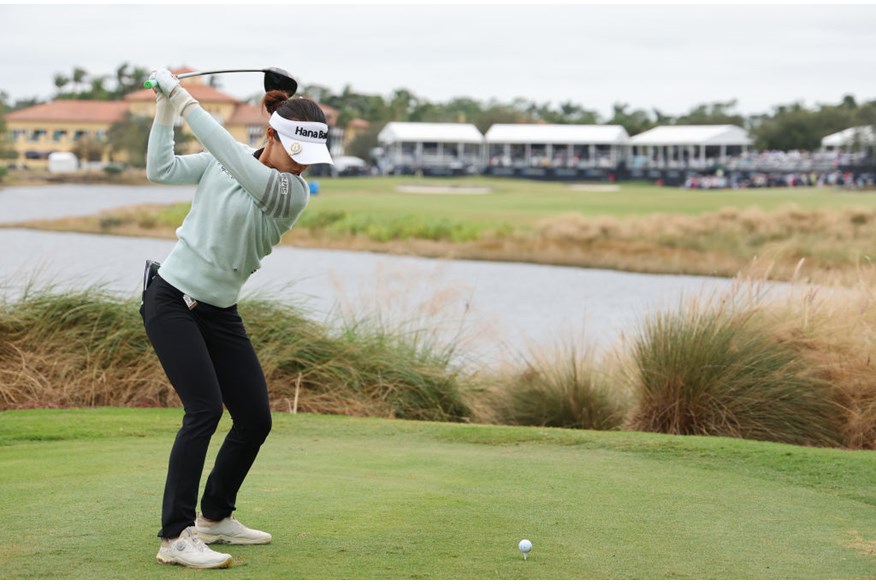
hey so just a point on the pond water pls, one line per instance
(493, 310)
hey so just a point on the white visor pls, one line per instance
(303, 141)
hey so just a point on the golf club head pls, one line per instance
(276, 78)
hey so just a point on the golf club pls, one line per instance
(275, 78)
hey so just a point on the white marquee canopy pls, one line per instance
(395, 132)
(562, 134)
(719, 135)
(850, 137)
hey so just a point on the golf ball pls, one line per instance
(525, 546)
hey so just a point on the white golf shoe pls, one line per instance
(230, 530)
(188, 550)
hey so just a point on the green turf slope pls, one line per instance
(352, 498)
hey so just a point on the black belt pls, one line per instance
(149, 274)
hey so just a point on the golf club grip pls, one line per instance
(152, 83)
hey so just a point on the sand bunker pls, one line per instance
(443, 190)
(595, 188)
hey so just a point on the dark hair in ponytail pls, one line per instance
(299, 109)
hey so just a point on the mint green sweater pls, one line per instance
(240, 210)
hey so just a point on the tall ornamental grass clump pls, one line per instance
(718, 368)
(835, 331)
(73, 349)
(566, 388)
(77, 349)
(360, 369)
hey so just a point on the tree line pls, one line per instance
(786, 127)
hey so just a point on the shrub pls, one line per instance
(361, 370)
(113, 169)
(565, 389)
(835, 331)
(389, 228)
(716, 369)
(76, 349)
(89, 349)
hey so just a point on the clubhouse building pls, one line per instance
(58, 126)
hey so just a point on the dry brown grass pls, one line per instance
(835, 332)
(811, 342)
(76, 349)
(834, 243)
(795, 367)
(566, 386)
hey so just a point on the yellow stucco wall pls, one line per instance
(51, 136)
(59, 136)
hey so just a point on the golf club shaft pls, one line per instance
(152, 84)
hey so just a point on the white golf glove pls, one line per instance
(167, 81)
(169, 85)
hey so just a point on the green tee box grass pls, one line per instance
(354, 498)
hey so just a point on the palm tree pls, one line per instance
(61, 81)
(79, 75)
(98, 91)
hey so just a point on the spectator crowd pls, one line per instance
(737, 180)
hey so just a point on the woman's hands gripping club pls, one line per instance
(167, 85)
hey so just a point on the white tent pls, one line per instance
(555, 145)
(415, 132)
(688, 146)
(555, 134)
(850, 137)
(693, 136)
(416, 146)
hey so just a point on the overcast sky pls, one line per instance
(666, 57)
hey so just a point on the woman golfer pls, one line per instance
(244, 202)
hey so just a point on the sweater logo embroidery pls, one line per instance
(284, 185)
(223, 169)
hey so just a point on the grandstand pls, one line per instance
(555, 150)
(430, 149)
(672, 155)
(694, 147)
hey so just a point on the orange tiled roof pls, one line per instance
(199, 91)
(248, 114)
(181, 70)
(71, 110)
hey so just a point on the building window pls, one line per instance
(19, 135)
(80, 134)
(254, 134)
(59, 135)
(100, 134)
(37, 135)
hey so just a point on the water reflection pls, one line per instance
(494, 309)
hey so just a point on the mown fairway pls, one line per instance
(522, 201)
(353, 498)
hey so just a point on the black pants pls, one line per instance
(210, 361)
